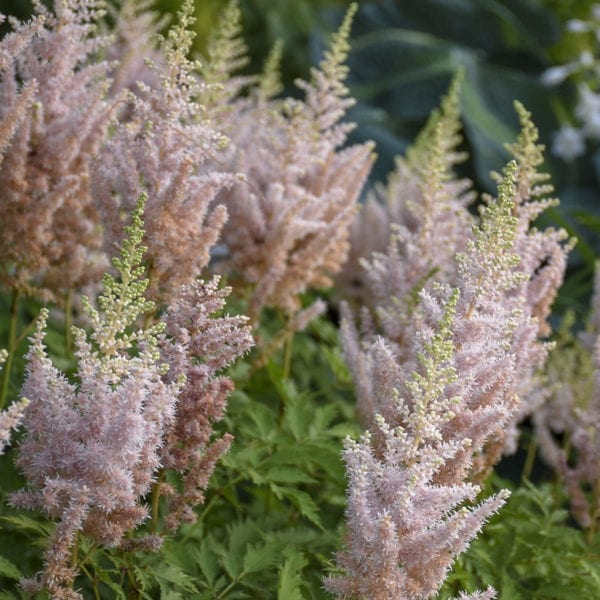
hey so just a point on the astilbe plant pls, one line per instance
(395, 278)
(289, 219)
(408, 231)
(15, 101)
(567, 426)
(53, 107)
(161, 149)
(91, 447)
(199, 345)
(404, 527)
(439, 417)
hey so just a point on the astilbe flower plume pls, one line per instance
(439, 416)
(161, 149)
(538, 266)
(133, 49)
(543, 260)
(91, 447)
(289, 218)
(226, 54)
(425, 221)
(199, 345)
(405, 525)
(54, 110)
(567, 426)
(409, 231)
(15, 101)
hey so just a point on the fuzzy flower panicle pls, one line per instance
(406, 520)
(91, 447)
(290, 215)
(54, 115)
(408, 232)
(198, 346)
(440, 412)
(161, 148)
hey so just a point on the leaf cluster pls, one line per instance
(530, 551)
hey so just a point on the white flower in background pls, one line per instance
(588, 111)
(578, 26)
(568, 143)
(556, 75)
(586, 59)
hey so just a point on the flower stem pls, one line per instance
(12, 336)
(156, 501)
(68, 321)
(530, 458)
(287, 357)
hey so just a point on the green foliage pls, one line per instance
(226, 53)
(402, 60)
(278, 496)
(270, 521)
(270, 524)
(530, 551)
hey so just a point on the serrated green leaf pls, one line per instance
(324, 416)
(297, 417)
(105, 578)
(260, 558)
(285, 387)
(328, 457)
(244, 458)
(286, 474)
(290, 578)
(26, 523)
(8, 569)
(337, 364)
(144, 578)
(168, 594)
(174, 575)
(508, 588)
(302, 501)
(241, 534)
(207, 559)
(263, 420)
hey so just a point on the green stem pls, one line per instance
(132, 581)
(25, 332)
(156, 501)
(88, 554)
(69, 321)
(530, 458)
(591, 531)
(231, 585)
(92, 579)
(287, 357)
(12, 336)
(96, 591)
(75, 554)
(218, 493)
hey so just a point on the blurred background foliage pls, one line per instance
(403, 57)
